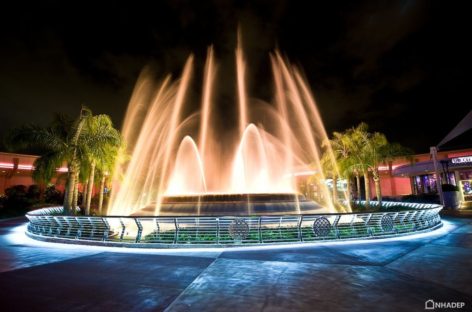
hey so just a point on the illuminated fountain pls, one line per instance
(191, 162)
(194, 178)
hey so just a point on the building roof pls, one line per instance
(427, 167)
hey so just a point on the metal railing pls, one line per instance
(49, 224)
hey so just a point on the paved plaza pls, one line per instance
(398, 275)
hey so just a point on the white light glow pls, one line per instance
(26, 167)
(18, 236)
(6, 166)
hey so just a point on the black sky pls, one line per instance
(401, 66)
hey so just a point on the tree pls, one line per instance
(329, 170)
(45, 169)
(369, 151)
(358, 158)
(386, 154)
(106, 167)
(102, 143)
(55, 144)
(76, 146)
(77, 143)
(341, 147)
(360, 152)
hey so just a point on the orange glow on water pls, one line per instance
(263, 152)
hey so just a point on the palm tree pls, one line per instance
(341, 147)
(84, 174)
(370, 151)
(75, 147)
(106, 167)
(75, 143)
(386, 154)
(58, 143)
(102, 142)
(358, 182)
(374, 142)
(347, 170)
(45, 169)
(359, 152)
(329, 170)
(356, 140)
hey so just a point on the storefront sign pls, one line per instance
(462, 160)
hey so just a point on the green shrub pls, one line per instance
(17, 197)
(53, 196)
(33, 193)
(358, 207)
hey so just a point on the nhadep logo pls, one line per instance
(432, 305)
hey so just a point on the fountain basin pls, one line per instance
(48, 224)
(233, 205)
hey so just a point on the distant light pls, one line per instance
(25, 167)
(385, 168)
(304, 173)
(6, 165)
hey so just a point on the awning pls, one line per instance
(419, 168)
(426, 167)
(464, 125)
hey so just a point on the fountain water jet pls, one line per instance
(188, 171)
(167, 166)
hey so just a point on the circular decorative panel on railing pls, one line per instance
(238, 229)
(321, 226)
(386, 223)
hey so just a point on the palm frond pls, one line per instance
(35, 137)
(45, 167)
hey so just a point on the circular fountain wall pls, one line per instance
(49, 224)
(233, 205)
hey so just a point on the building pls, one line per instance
(418, 176)
(17, 169)
(449, 159)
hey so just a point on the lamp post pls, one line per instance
(434, 155)
(445, 169)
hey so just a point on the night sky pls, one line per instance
(400, 66)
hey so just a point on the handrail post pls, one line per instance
(107, 231)
(140, 229)
(335, 225)
(123, 227)
(217, 230)
(93, 227)
(299, 228)
(176, 234)
(260, 230)
(79, 231)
